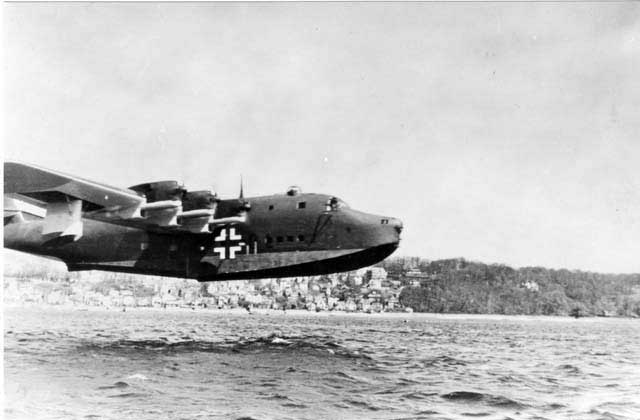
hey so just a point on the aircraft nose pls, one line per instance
(397, 224)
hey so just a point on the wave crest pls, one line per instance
(492, 400)
(323, 346)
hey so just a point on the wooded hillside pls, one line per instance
(461, 286)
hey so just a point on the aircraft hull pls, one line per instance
(342, 261)
(115, 248)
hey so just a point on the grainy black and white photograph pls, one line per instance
(321, 210)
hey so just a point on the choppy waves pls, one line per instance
(203, 365)
(311, 345)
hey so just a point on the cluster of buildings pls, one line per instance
(367, 290)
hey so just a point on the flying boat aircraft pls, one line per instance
(161, 228)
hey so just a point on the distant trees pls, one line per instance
(458, 285)
(445, 286)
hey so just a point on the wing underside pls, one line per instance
(66, 199)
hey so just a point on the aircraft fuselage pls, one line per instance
(282, 236)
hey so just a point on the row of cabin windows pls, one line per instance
(301, 205)
(267, 240)
(279, 239)
(332, 204)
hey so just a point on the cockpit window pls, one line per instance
(334, 203)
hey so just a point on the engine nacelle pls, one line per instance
(160, 191)
(196, 200)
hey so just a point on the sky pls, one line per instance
(498, 132)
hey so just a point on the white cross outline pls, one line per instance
(233, 236)
(221, 250)
(222, 237)
(234, 249)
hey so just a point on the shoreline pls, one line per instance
(304, 313)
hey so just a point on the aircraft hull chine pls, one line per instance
(345, 260)
(331, 264)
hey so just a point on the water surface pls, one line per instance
(152, 364)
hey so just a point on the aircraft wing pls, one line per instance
(68, 199)
(46, 185)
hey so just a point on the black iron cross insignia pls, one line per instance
(228, 243)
